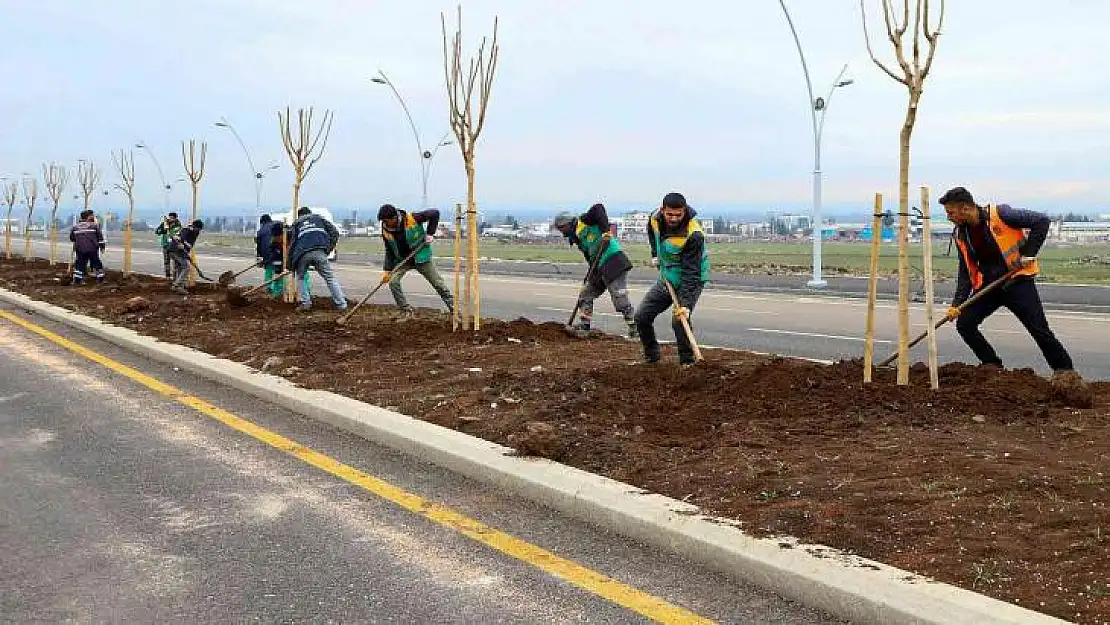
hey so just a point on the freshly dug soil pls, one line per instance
(993, 483)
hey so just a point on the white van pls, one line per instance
(290, 217)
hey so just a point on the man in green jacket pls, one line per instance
(590, 233)
(402, 233)
(678, 249)
(166, 231)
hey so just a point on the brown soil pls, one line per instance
(993, 483)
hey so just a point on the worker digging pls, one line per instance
(608, 267)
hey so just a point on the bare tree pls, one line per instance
(912, 74)
(305, 149)
(88, 176)
(55, 177)
(30, 195)
(125, 165)
(194, 171)
(11, 192)
(467, 117)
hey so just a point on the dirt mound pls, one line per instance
(998, 482)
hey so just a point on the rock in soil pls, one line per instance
(1070, 389)
(538, 439)
(138, 304)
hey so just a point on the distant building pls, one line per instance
(1083, 231)
(632, 225)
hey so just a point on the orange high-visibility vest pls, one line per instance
(1009, 241)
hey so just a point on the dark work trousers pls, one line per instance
(84, 260)
(655, 301)
(166, 262)
(1021, 297)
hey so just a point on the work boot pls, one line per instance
(1067, 378)
(77, 281)
(407, 314)
(650, 358)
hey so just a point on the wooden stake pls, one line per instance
(476, 290)
(872, 288)
(456, 316)
(927, 269)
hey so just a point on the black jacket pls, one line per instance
(87, 237)
(430, 219)
(311, 232)
(186, 238)
(618, 263)
(691, 253)
(263, 240)
(1038, 225)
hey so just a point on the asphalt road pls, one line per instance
(825, 327)
(119, 504)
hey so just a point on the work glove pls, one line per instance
(654, 261)
(428, 239)
(261, 263)
(953, 312)
(682, 312)
(606, 237)
(1028, 260)
(386, 275)
(101, 247)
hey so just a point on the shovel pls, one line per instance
(968, 302)
(569, 327)
(347, 315)
(685, 323)
(239, 300)
(227, 278)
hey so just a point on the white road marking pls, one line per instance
(815, 334)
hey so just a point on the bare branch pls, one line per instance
(325, 132)
(307, 148)
(870, 52)
(916, 37)
(931, 37)
(55, 177)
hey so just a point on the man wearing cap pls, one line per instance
(992, 242)
(590, 233)
(678, 249)
(166, 230)
(313, 239)
(180, 245)
(402, 233)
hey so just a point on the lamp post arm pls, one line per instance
(405, 107)
(828, 103)
(809, 85)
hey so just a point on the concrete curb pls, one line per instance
(854, 588)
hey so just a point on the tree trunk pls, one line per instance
(193, 252)
(288, 292)
(455, 315)
(54, 235)
(127, 236)
(904, 238)
(8, 236)
(472, 207)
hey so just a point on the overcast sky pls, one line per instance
(601, 100)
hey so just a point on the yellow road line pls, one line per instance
(601, 585)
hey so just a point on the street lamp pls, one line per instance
(165, 187)
(256, 174)
(426, 156)
(818, 108)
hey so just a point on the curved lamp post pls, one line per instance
(256, 174)
(426, 155)
(818, 107)
(161, 175)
